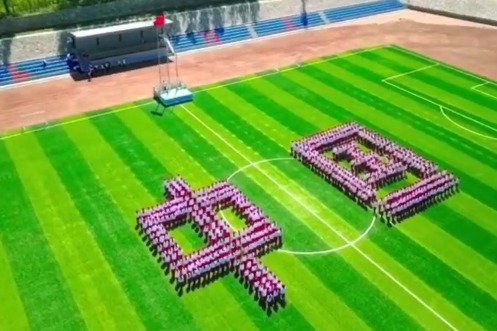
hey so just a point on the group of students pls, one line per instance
(408, 201)
(309, 151)
(225, 251)
(416, 164)
(368, 171)
(377, 172)
(268, 289)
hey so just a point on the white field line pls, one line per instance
(199, 91)
(467, 73)
(412, 71)
(477, 89)
(479, 85)
(294, 67)
(439, 106)
(465, 128)
(320, 252)
(303, 205)
(333, 250)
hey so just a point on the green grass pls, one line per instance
(187, 238)
(409, 180)
(71, 259)
(233, 219)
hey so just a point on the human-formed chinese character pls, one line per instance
(374, 161)
(226, 251)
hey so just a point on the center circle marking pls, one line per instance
(286, 251)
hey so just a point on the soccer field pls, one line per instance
(71, 259)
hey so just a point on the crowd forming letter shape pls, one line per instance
(385, 163)
(225, 250)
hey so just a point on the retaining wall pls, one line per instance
(483, 11)
(51, 43)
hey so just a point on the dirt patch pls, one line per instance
(467, 45)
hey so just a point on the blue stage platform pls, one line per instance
(175, 96)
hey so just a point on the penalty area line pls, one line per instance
(477, 89)
(319, 218)
(442, 108)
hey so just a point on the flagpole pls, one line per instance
(158, 54)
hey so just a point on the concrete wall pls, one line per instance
(46, 44)
(478, 10)
(106, 11)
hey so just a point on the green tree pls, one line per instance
(6, 6)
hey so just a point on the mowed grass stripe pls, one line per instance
(465, 230)
(489, 90)
(478, 78)
(473, 267)
(355, 78)
(97, 294)
(287, 174)
(259, 101)
(445, 73)
(475, 216)
(154, 138)
(314, 312)
(36, 272)
(421, 113)
(13, 316)
(254, 117)
(468, 271)
(468, 226)
(111, 227)
(304, 216)
(242, 131)
(426, 85)
(474, 182)
(446, 81)
(460, 78)
(476, 189)
(464, 75)
(362, 290)
(474, 209)
(282, 137)
(180, 134)
(118, 135)
(461, 290)
(134, 197)
(348, 210)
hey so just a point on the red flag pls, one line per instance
(160, 20)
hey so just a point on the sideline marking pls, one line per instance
(463, 127)
(88, 117)
(479, 85)
(358, 250)
(412, 71)
(286, 251)
(387, 81)
(424, 58)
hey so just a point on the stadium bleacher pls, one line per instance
(57, 65)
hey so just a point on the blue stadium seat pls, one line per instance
(57, 65)
(362, 10)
